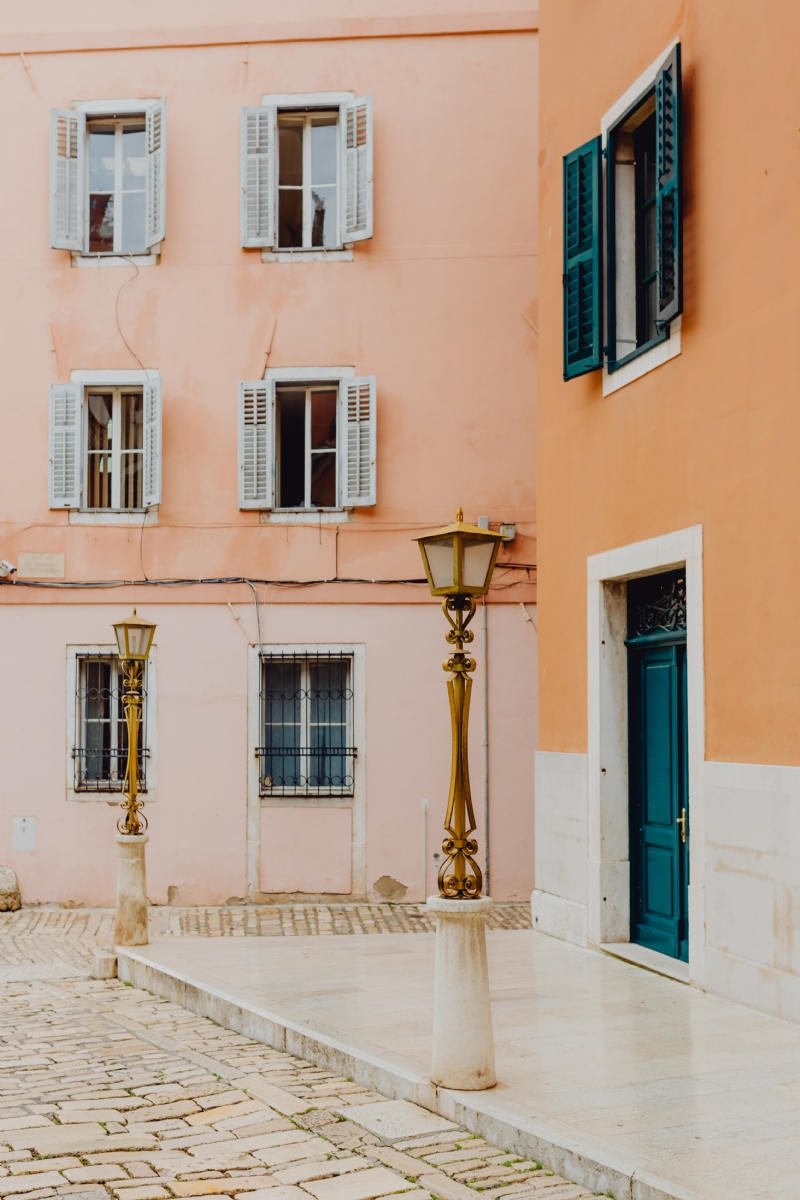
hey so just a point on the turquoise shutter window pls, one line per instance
(669, 215)
(583, 314)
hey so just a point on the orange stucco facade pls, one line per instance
(707, 438)
(688, 465)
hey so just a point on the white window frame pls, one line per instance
(116, 450)
(309, 376)
(305, 119)
(118, 123)
(309, 453)
(356, 802)
(74, 653)
(112, 110)
(671, 346)
(292, 101)
(108, 516)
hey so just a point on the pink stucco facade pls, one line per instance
(439, 305)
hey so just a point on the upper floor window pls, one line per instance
(307, 444)
(107, 177)
(643, 281)
(307, 172)
(105, 445)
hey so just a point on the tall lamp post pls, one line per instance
(134, 639)
(459, 561)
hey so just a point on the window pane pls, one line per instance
(98, 474)
(134, 158)
(133, 223)
(290, 218)
(100, 410)
(323, 420)
(101, 158)
(323, 217)
(323, 481)
(290, 153)
(95, 696)
(101, 224)
(131, 421)
(130, 479)
(327, 697)
(323, 150)
(291, 448)
(282, 708)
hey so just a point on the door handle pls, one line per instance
(681, 821)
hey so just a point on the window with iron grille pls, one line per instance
(100, 751)
(306, 725)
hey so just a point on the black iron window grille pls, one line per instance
(306, 725)
(101, 735)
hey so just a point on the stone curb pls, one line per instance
(585, 1161)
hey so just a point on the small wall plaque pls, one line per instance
(41, 566)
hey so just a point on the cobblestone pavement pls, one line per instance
(54, 942)
(109, 1093)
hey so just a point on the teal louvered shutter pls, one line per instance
(582, 280)
(669, 215)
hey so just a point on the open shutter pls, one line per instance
(67, 178)
(156, 135)
(583, 311)
(258, 185)
(65, 445)
(669, 216)
(256, 457)
(357, 438)
(152, 442)
(357, 169)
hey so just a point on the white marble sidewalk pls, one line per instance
(626, 1067)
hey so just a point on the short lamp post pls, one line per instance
(459, 561)
(134, 639)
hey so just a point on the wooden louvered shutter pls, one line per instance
(583, 309)
(669, 216)
(152, 442)
(258, 170)
(357, 441)
(357, 169)
(156, 135)
(66, 423)
(256, 456)
(67, 179)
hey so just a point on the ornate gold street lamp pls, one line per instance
(459, 561)
(134, 639)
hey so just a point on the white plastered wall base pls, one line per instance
(558, 903)
(608, 870)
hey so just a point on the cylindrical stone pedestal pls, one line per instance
(463, 1043)
(130, 925)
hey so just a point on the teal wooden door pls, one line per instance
(659, 799)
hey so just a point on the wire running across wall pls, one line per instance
(306, 726)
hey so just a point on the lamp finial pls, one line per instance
(460, 515)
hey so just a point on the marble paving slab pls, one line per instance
(693, 1089)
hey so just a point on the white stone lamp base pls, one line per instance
(463, 1042)
(130, 924)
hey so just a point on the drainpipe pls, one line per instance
(485, 726)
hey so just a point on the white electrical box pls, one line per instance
(23, 834)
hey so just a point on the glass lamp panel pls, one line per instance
(139, 640)
(477, 560)
(119, 630)
(440, 562)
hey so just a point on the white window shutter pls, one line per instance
(357, 169)
(67, 178)
(156, 135)
(357, 441)
(66, 424)
(152, 441)
(259, 174)
(256, 442)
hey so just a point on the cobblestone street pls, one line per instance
(107, 1092)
